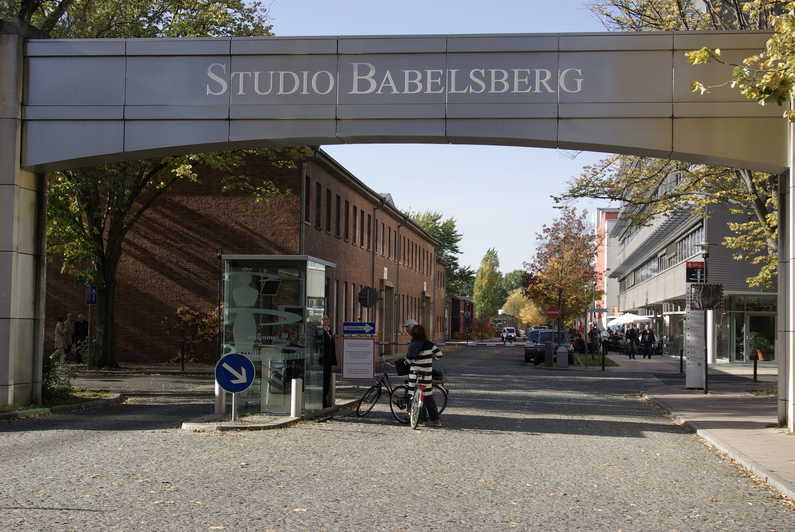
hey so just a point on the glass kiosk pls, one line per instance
(273, 311)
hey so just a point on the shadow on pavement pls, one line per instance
(125, 417)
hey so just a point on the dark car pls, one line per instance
(534, 347)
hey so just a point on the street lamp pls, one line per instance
(704, 248)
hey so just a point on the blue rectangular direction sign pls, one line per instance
(354, 328)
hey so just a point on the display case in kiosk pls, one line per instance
(273, 307)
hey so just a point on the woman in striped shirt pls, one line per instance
(420, 356)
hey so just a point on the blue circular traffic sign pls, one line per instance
(234, 373)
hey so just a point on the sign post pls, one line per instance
(696, 376)
(234, 373)
(358, 352)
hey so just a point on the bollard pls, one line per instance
(604, 352)
(220, 400)
(756, 358)
(297, 398)
(681, 361)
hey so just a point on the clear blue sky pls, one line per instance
(498, 195)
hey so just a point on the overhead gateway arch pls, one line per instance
(626, 93)
(67, 103)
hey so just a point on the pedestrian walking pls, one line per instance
(632, 341)
(69, 335)
(647, 340)
(420, 356)
(81, 337)
(593, 339)
(59, 340)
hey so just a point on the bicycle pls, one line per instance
(400, 393)
(416, 406)
(397, 396)
(373, 394)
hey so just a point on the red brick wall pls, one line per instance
(410, 262)
(170, 258)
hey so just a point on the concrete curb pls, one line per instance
(61, 409)
(784, 487)
(227, 426)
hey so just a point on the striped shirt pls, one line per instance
(420, 356)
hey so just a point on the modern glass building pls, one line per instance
(651, 274)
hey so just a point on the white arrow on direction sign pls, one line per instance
(365, 328)
(240, 378)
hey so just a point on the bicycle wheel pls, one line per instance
(416, 409)
(440, 396)
(397, 404)
(368, 400)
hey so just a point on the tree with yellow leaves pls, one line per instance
(562, 270)
(519, 305)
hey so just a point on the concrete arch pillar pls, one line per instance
(22, 226)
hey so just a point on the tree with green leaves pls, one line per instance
(653, 187)
(515, 280)
(562, 269)
(459, 278)
(489, 292)
(91, 210)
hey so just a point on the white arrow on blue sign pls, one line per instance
(234, 373)
(358, 327)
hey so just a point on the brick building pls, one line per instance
(462, 310)
(171, 256)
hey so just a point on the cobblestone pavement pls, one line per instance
(521, 447)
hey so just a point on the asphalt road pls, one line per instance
(521, 447)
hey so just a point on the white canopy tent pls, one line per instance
(626, 319)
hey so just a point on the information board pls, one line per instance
(358, 358)
(694, 349)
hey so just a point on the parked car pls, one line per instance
(509, 334)
(534, 347)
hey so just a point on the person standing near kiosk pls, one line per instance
(329, 360)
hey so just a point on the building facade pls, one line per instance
(651, 267)
(171, 257)
(462, 310)
(605, 263)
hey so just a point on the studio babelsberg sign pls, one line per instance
(365, 78)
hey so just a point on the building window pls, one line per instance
(337, 305)
(347, 219)
(355, 226)
(389, 243)
(337, 216)
(328, 210)
(369, 229)
(383, 239)
(361, 229)
(307, 199)
(318, 204)
(347, 308)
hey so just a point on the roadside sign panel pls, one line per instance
(235, 373)
(358, 358)
(358, 328)
(694, 349)
(694, 272)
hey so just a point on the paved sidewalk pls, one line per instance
(738, 416)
